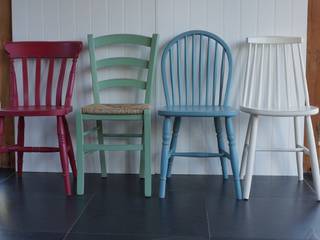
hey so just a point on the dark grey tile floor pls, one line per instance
(196, 208)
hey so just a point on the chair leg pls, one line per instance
(141, 170)
(173, 144)
(70, 147)
(20, 141)
(251, 157)
(147, 153)
(2, 143)
(103, 163)
(63, 154)
(223, 160)
(164, 156)
(313, 156)
(234, 157)
(80, 153)
(299, 155)
(244, 159)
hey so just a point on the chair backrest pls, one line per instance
(43, 53)
(196, 69)
(275, 74)
(114, 62)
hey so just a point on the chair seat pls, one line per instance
(294, 111)
(119, 109)
(198, 111)
(35, 111)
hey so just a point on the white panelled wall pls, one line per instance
(233, 20)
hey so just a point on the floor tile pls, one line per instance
(6, 235)
(131, 214)
(264, 218)
(5, 173)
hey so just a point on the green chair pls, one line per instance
(113, 112)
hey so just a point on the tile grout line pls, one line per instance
(309, 185)
(207, 216)
(77, 219)
(6, 178)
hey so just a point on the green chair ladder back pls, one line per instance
(122, 112)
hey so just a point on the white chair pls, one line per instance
(275, 85)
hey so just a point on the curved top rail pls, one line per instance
(274, 40)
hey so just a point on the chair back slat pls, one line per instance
(205, 73)
(71, 83)
(275, 74)
(37, 82)
(97, 65)
(25, 81)
(42, 54)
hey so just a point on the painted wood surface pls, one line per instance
(232, 20)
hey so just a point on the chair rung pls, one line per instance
(114, 147)
(197, 154)
(15, 148)
(298, 149)
(122, 135)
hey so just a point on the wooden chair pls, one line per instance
(116, 112)
(275, 85)
(197, 76)
(51, 54)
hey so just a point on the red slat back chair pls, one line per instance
(57, 56)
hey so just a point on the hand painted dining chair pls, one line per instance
(118, 112)
(45, 55)
(276, 86)
(196, 71)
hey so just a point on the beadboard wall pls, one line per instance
(233, 20)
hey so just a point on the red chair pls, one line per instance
(45, 55)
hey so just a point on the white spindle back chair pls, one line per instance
(275, 85)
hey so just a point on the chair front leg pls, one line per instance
(313, 156)
(164, 156)
(80, 153)
(147, 153)
(234, 157)
(63, 154)
(103, 163)
(70, 147)
(141, 167)
(251, 157)
(299, 155)
(20, 141)
(173, 144)
(223, 161)
(245, 150)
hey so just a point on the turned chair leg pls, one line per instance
(80, 153)
(173, 144)
(63, 154)
(251, 157)
(70, 148)
(313, 156)
(223, 160)
(299, 155)
(147, 153)
(20, 143)
(244, 159)
(234, 157)
(164, 156)
(103, 163)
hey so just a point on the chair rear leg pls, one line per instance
(244, 159)
(299, 155)
(147, 153)
(234, 157)
(63, 154)
(80, 153)
(173, 144)
(313, 156)
(103, 163)
(164, 156)
(141, 170)
(2, 143)
(251, 157)
(70, 148)
(223, 160)
(20, 141)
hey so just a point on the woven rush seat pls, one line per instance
(115, 108)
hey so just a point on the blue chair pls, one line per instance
(196, 69)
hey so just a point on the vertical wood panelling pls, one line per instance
(232, 20)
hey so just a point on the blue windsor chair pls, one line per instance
(196, 69)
